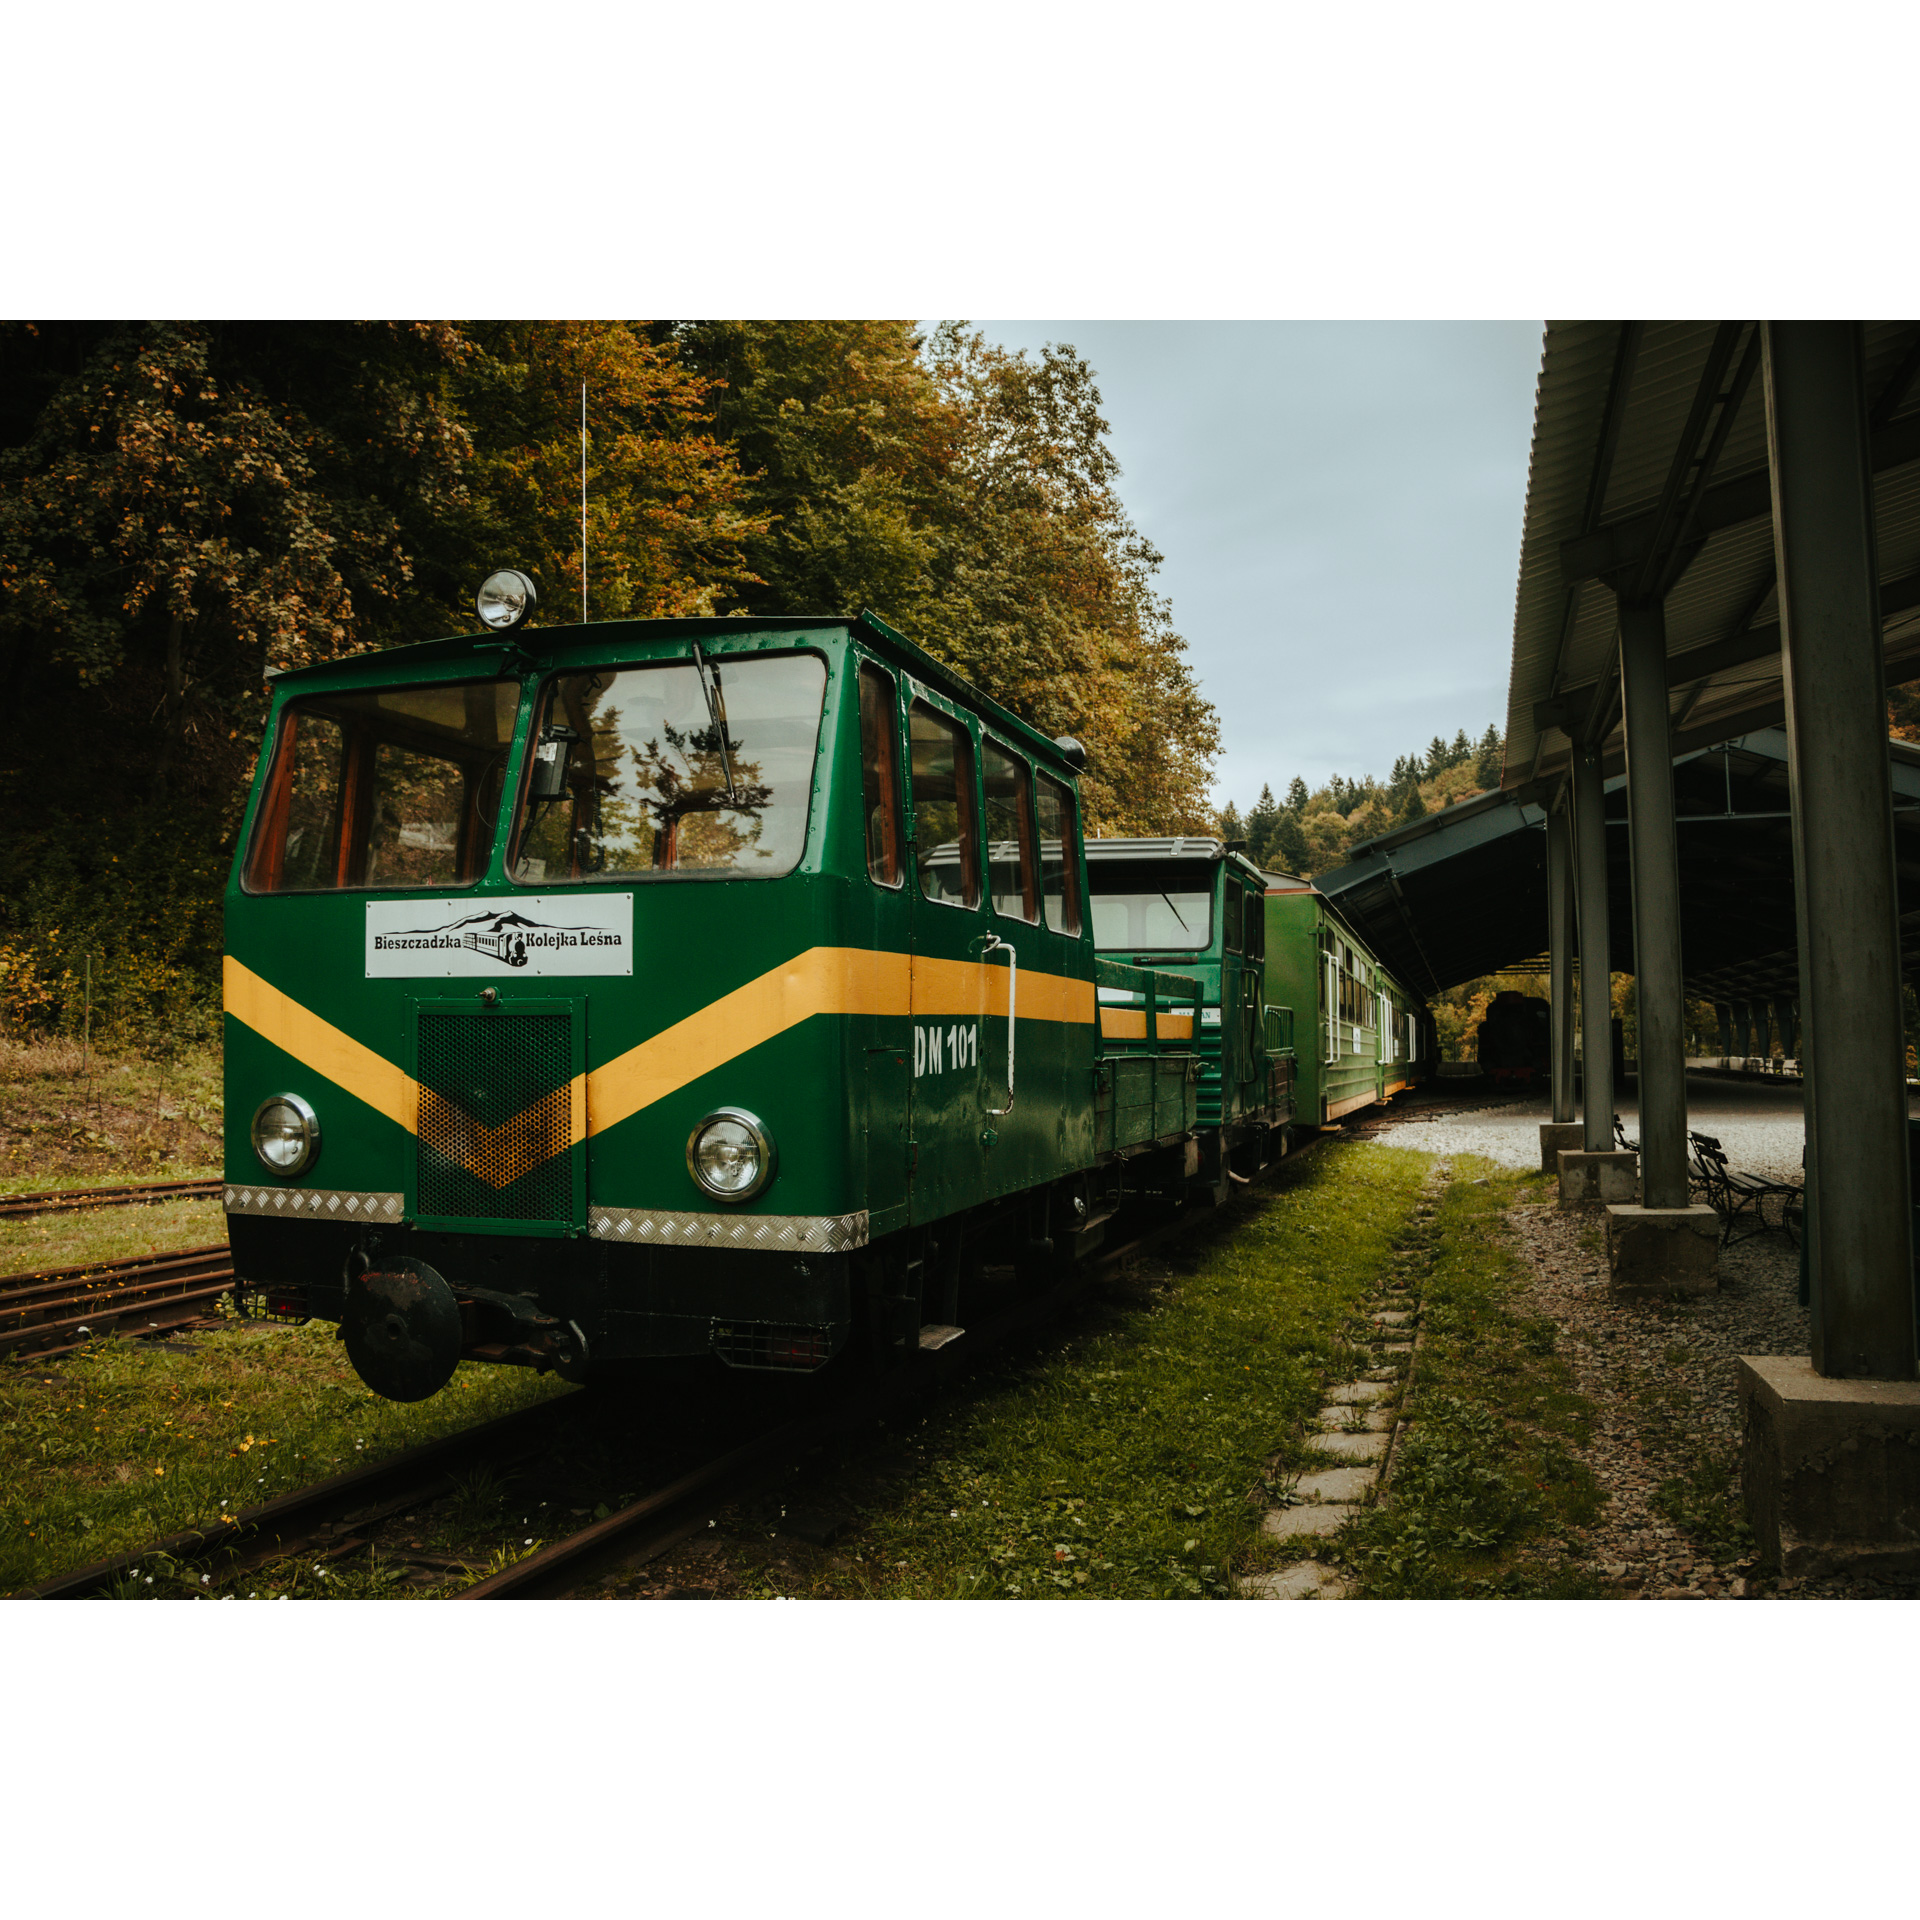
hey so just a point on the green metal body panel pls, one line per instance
(1147, 1091)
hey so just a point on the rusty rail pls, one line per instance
(58, 1309)
(19, 1206)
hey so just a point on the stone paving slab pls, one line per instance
(1395, 1317)
(1338, 1418)
(1304, 1580)
(1356, 1392)
(1336, 1483)
(1304, 1523)
(1352, 1446)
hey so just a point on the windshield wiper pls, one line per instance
(1175, 911)
(716, 712)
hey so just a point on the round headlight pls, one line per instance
(506, 601)
(730, 1154)
(286, 1134)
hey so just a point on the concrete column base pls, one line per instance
(1598, 1179)
(1663, 1250)
(1554, 1135)
(1830, 1469)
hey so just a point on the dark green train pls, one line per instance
(608, 992)
(1299, 1026)
(1198, 905)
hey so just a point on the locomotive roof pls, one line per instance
(551, 645)
(1188, 846)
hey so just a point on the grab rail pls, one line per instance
(996, 945)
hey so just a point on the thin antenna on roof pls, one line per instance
(583, 503)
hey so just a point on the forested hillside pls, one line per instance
(1309, 833)
(185, 504)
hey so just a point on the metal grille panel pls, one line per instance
(771, 1232)
(495, 1116)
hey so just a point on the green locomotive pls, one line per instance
(651, 988)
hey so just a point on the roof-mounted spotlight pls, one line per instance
(506, 601)
(1072, 752)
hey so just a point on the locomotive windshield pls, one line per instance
(1159, 906)
(399, 788)
(684, 767)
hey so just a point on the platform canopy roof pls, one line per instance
(1649, 477)
(1463, 892)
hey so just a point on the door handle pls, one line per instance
(994, 944)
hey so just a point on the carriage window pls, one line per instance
(1256, 926)
(946, 837)
(1010, 863)
(880, 775)
(674, 768)
(1233, 918)
(1059, 862)
(391, 789)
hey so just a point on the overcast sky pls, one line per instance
(1339, 505)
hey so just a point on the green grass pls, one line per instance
(1486, 1477)
(75, 1118)
(1126, 1455)
(126, 1442)
(108, 1233)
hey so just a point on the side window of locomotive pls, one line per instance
(1010, 863)
(880, 774)
(672, 768)
(396, 789)
(1233, 917)
(1256, 926)
(1059, 858)
(946, 834)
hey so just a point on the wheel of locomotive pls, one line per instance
(402, 1329)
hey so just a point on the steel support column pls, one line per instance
(1596, 1002)
(1783, 1014)
(1723, 1011)
(1560, 955)
(1659, 997)
(1859, 1239)
(1742, 1028)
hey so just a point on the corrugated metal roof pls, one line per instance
(1565, 634)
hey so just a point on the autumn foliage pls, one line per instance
(186, 504)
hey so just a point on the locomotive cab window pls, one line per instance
(1059, 857)
(1010, 862)
(395, 789)
(880, 775)
(1234, 916)
(697, 766)
(946, 831)
(1152, 906)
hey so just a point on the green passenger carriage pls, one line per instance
(648, 988)
(1360, 1035)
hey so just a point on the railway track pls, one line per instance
(660, 1519)
(59, 1309)
(327, 1519)
(20, 1206)
(334, 1518)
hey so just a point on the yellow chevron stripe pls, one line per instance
(822, 980)
(317, 1044)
